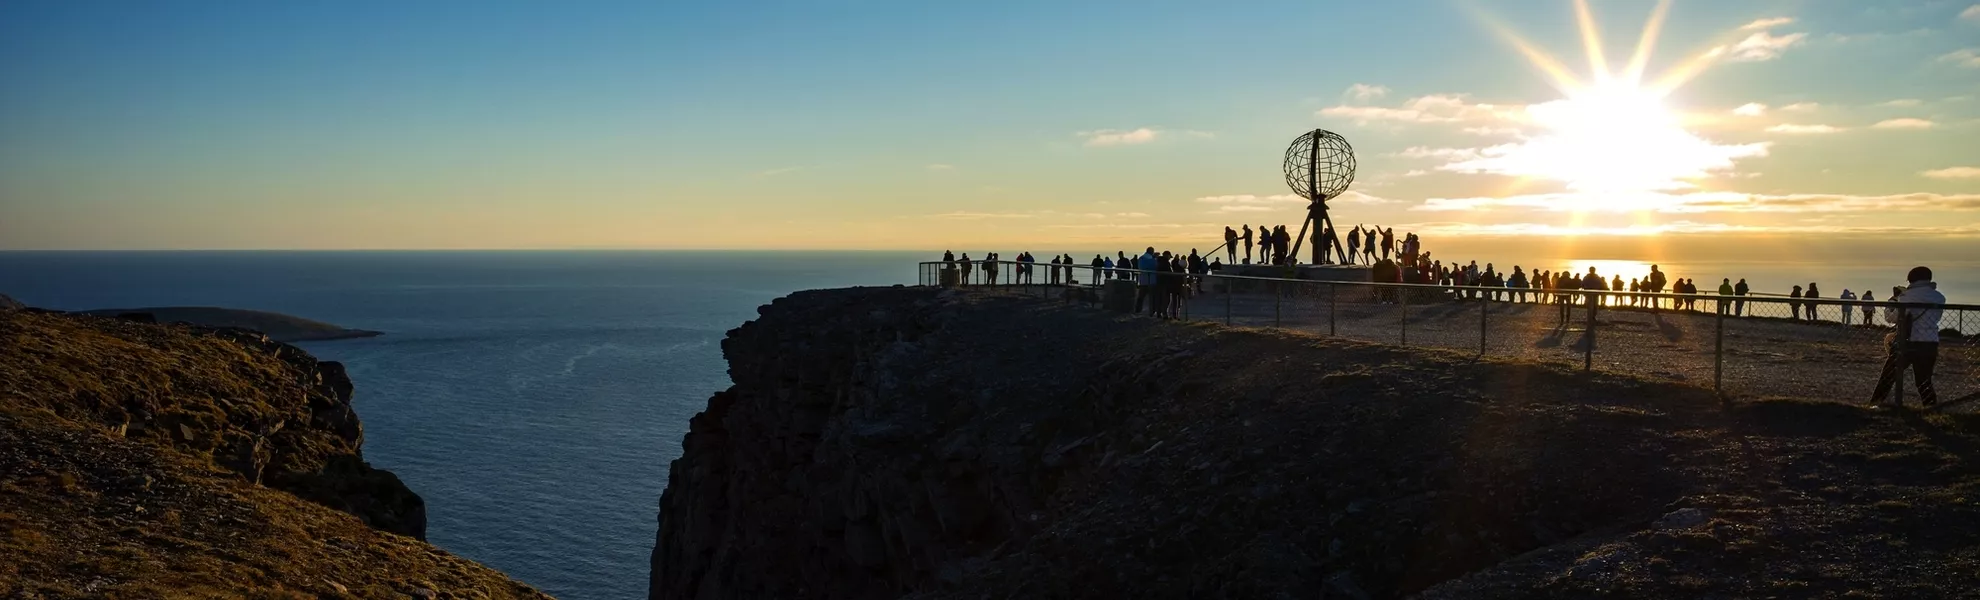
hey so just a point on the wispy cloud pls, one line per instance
(1117, 137)
(1902, 103)
(1971, 14)
(1965, 57)
(977, 216)
(1233, 203)
(1763, 46)
(1804, 129)
(1363, 92)
(1435, 108)
(1765, 24)
(1953, 173)
(1455, 228)
(1705, 202)
(1802, 107)
(1904, 123)
(1750, 109)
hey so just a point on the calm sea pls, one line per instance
(535, 398)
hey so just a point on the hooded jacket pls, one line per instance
(1924, 320)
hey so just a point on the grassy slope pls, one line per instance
(278, 326)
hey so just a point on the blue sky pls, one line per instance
(911, 124)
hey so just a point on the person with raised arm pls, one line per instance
(1915, 342)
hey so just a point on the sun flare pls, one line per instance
(1610, 138)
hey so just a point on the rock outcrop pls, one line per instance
(888, 443)
(264, 410)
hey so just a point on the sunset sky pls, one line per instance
(911, 125)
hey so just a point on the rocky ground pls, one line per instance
(166, 461)
(885, 443)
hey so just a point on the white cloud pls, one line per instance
(1801, 107)
(1416, 173)
(1116, 137)
(1132, 215)
(1904, 123)
(1251, 199)
(1802, 129)
(1965, 57)
(977, 216)
(1953, 173)
(941, 167)
(1765, 24)
(1972, 13)
(1435, 108)
(1455, 228)
(1706, 202)
(1763, 46)
(1750, 109)
(1492, 131)
(1363, 92)
(1903, 103)
(1289, 203)
(1439, 153)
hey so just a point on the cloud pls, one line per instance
(1953, 173)
(1439, 153)
(1232, 203)
(1363, 92)
(1765, 24)
(1116, 137)
(1705, 202)
(1801, 107)
(1902, 103)
(1750, 109)
(1492, 131)
(1905, 123)
(940, 167)
(1972, 13)
(1965, 57)
(1253, 200)
(1763, 46)
(1132, 215)
(1803, 129)
(1456, 228)
(1435, 108)
(976, 216)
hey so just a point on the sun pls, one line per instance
(1611, 138)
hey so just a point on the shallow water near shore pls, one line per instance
(535, 398)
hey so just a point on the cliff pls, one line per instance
(277, 326)
(885, 443)
(150, 460)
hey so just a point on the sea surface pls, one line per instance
(535, 398)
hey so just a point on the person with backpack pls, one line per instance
(1741, 289)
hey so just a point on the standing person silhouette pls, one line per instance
(1794, 304)
(1869, 314)
(1725, 292)
(1811, 294)
(1354, 244)
(1099, 266)
(1230, 244)
(1741, 290)
(1846, 312)
(1247, 244)
(1916, 339)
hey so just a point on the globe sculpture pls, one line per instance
(1319, 166)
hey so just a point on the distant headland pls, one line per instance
(279, 327)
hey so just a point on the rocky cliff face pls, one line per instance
(266, 411)
(886, 443)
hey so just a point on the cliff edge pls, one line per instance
(150, 459)
(887, 443)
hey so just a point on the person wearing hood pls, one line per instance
(1847, 309)
(1144, 284)
(1916, 345)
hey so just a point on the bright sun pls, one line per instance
(1611, 139)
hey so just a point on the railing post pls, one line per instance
(1333, 291)
(1719, 351)
(1588, 352)
(1277, 293)
(1403, 301)
(1481, 326)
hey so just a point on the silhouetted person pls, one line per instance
(1846, 312)
(1354, 245)
(965, 265)
(1247, 244)
(1099, 266)
(1740, 289)
(1869, 314)
(1812, 293)
(1230, 244)
(1657, 283)
(1794, 304)
(1916, 339)
(1144, 285)
(1725, 293)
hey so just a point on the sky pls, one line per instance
(880, 124)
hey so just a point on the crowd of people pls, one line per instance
(1274, 245)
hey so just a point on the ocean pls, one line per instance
(535, 398)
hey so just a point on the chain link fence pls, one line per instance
(1753, 346)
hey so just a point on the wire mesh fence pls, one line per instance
(1740, 345)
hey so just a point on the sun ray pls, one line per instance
(1591, 38)
(1647, 42)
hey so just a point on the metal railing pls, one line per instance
(1738, 345)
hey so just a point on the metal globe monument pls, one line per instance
(1319, 166)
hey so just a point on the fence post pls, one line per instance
(1481, 326)
(1276, 294)
(1332, 305)
(1403, 300)
(1230, 289)
(1719, 351)
(1588, 352)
